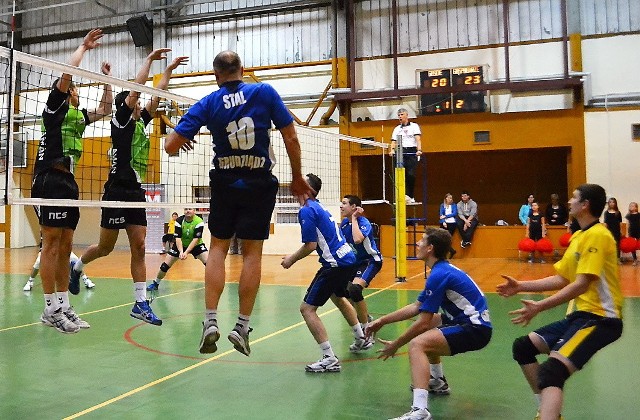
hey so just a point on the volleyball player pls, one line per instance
(130, 154)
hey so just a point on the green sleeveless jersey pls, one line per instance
(140, 145)
(73, 125)
(186, 230)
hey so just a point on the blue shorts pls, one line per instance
(465, 337)
(367, 270)
(580, 335)
(328, 281)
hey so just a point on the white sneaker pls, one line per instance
(73, 317)
(59, 321)
(361, 344)
(415, 414)
(28, 286)
(326, 364)
(88, 283)
(210, 335)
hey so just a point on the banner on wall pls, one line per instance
(155, 193)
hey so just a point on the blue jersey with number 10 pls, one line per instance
(239, 117)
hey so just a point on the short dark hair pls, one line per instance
(120, 98)
(440, 239)
(227, 62)
(175, 212)
(314, 182)
(465, 192)
(596, 195)
(353, 200)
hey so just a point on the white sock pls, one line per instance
(140, 291)
(157, 280)
(78, 266)
(538, 399)
(243, 321)
(326, 349)
(357, 331)
(420, 398)
(31, 279)
(436, 370)
(211, 315)
(50, 303)
(63, 300)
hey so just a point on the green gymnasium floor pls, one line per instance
(121, 368)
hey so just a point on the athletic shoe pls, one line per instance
(326, 364)
(153, 286)
(462, 244)
(28, 286)
(240, 340)
(415, 414)
(361, 344)
(73, 317)
(74, 280)
(438, 386)
(210, 335)
(142, 311)
(88, 283)
(59, 321)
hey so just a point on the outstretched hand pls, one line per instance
(525, 314)
(508, 288)
(91, 39)
(178, 61)
(372, 328)
(106, 68)
(158, 54)
(389, 349)
(301, 189)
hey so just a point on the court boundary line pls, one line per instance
(211, 359)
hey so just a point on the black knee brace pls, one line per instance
(552, 373)
(164, 267)
(355, 292)
(524, 352)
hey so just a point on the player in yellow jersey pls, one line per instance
(587, 276)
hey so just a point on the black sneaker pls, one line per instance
(74, 280)
(240, 340)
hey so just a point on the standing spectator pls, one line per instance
(613, 220)
(359, 234)
(536, 228)
(53, 178)
(411, 148)
(525, 209)
(448, 216)
(239, 116)
(130, 146)
(169, 238)
(633, 226)
(595, 317)
(467, 218)
(464, 324)
(556, 212)
(320, 233)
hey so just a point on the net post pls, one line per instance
(401, 215)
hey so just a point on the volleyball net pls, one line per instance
(171, 181)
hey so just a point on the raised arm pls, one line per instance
(104, 107)
(153, 103)
(143, 74)
(89, 42)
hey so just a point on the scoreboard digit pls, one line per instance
(469, 101)
(448, 103)
(435, 103)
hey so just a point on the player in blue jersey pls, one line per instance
(320, 233)
(358, 232)
(243, 189)
(463, 326)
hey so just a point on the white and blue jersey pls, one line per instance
(319, 226)
(238, 116)
(367, 249)
(456, 293)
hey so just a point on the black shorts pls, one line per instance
(580, 335)
(53, 183)
(197, 250)
(465, 337)
(328, 281)
(118, 218)
(241, 204)
(169, 237)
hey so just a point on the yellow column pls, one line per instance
(401, 227)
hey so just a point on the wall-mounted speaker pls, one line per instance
(141, 30)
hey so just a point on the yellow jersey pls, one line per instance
(593, 251)
(171, 227)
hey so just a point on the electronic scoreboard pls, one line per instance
(452, 103)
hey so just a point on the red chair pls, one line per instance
(544, 246)
(526, 245)
(628, 244)
(564, 239)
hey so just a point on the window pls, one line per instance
(287, 205)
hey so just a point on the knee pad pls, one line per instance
(552, 373)
(355, 292)
(164, 267)
(524, 352)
